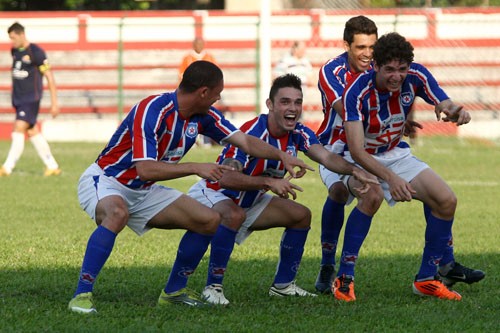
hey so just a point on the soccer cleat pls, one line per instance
(291, 290)
(4, 172)
(343, 288)
(435, 288)
(183, 296)
(325, 279)
(82, 303)
(52, 172)
(460, 273)
(214, 294)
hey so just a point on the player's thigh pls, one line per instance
(283, 213)
(186, 213)
(434, 191)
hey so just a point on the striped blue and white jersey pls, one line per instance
(300, 139)
(334, 76)
(155, 130)
(384, 113)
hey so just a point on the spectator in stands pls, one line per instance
(29, 66)
(296, 62)
(199, 53)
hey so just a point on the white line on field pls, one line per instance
(473, 183)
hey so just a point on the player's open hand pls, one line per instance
(291, 162)
(283, 188)
(411, 127)
(365, 179)
(400, 189)
(453, 113)
(212, 171)
(54, 110)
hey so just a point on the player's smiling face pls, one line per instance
(210, 96)
(390, 76)
(284, 111)
(360, 52)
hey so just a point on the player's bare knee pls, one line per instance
(447, 206)
(210, 223)
(370, 202)
(233, 218)
(303, 217)
(114, 219)
(338, 193)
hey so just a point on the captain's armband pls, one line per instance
(43, 68)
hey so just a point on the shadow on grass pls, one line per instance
(383, 289)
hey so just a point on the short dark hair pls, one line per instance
(16, 27)
(199, 74)
(283, 81)
(359, 25)
(392, 46)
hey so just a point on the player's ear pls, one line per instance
(203, 91)
(346, 46)
(269, 104)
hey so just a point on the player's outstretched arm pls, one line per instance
(156, 171)
(256, 147)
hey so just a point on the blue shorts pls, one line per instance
(28, 112)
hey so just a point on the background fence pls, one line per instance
(104, 62)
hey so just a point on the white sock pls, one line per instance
(43, 150)
(15, 152)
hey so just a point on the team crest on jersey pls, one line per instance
(406, 98)
(26, 59)
(192, 130)
(290, 150)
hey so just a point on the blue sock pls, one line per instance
(332, 220)
(356, 230)
(291, 250)
(448, 255)
(191, 249)
(221, 248)
(437, 236)
(99, 248)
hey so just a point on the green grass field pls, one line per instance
(43, 234)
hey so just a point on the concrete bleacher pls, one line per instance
(88, 81)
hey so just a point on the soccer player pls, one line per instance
(241, 199)
(360, 35)
(29, 67)
(376, 106)
(119, 189)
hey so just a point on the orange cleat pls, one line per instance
(343, 288)
(435, 288)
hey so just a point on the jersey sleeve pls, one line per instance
(353, 97)
(427, 86)
(307, 138)
(330, 83)
(40, 59)
(217, 127)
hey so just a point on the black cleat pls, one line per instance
(325, 279)
(460, 273)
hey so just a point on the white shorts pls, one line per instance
(329, 177)
(400, 161)
(142, 204)
(210, 197)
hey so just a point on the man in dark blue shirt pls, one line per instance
(29, 66)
